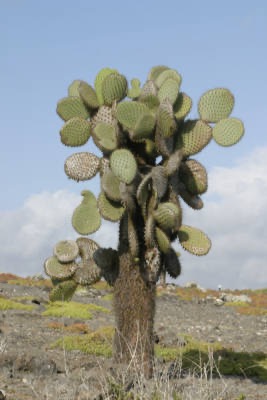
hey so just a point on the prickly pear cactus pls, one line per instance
(147, 169)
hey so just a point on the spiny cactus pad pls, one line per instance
(194, 176)
(193, 137)
(216, 104)
(114, 88)
(111, 185)
(103, 73)
(162, 240)
(105, 136)
(63, 291)
(129, 113)
(167, 215)
(70, 107)
(168, 74)
(228, 131)
(66, 251)
(194, 240)
(75, 132)
(135, 90)
(82, 166)
(165, 119)
(86, 218)
(109, 210)
(156, 71)
(172, 263)
(87, 273)
(123, 165)
(55, 269)
(88, 95)
(87, 247)
(169, 90)
(182, 106)
(73, 88)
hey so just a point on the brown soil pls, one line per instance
(29, 369)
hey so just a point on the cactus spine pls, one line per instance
(147, 143)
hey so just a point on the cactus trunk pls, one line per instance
(134, 305)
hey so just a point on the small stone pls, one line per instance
(219, 302)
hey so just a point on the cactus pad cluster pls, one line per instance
(147, 170)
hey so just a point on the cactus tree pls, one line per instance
(147, 173)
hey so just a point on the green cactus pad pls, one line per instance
(228, 131)
(169, 90)
(105, 137)
(167, 215)
(182, 106)
(104, 165)
(73, 88)
(87, 247)
(149, 89)
(162, 240)
(172, 263)
(66, 251)
(143, 191)
(151, 101)
(165, 119)
(63, 291)
(86, 218)
(88, 95)
(193, 201)
(109, 210)
(193, 137)
(168, 74)
(70, 107)
(156, 71)
(82, 166)
(194, 240)
(194, 177)
(144, 127)
(216, 104)
(75, 132)
(135, 90)
(99, 82)
(159, 180)
(129, 113)
(111, 185)
(123, 165)
(164, 145)
(114, 88)
(87, 273)
(172, 164)
(57, 270)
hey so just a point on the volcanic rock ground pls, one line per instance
(29, 369)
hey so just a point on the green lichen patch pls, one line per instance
(6, 304)
(72, 309)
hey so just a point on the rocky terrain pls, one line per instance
(208, 348)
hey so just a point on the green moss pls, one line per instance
(6, 304)
(72, 309)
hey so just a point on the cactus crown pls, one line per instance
(147, 143)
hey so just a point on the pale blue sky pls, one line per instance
(45, 45)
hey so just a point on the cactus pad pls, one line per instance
(75, 132)
(194, 177)
(194, 240)
(87, 247)
(88, 95)
(87, 273)
(123, 165)
(82, 166)
(159, 180)
(114, 88)
(169, 90)
(172, 263)
(144, 127)
(168, 74)
(108, 261)
(135, 90)
(73, 88)
(156, 71)
(129, 113)
(167, 215)
(70, 107)
(109, 210)
(111, 185)
(99, 82)
(105, 136)
(57, 270)
(63, 291)
(182, 106)
(66, 251)
(216, 104)
(173, 162)
(162, 240)
(193, 137)
(86, 218)
(165, 120)
(228, 131)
